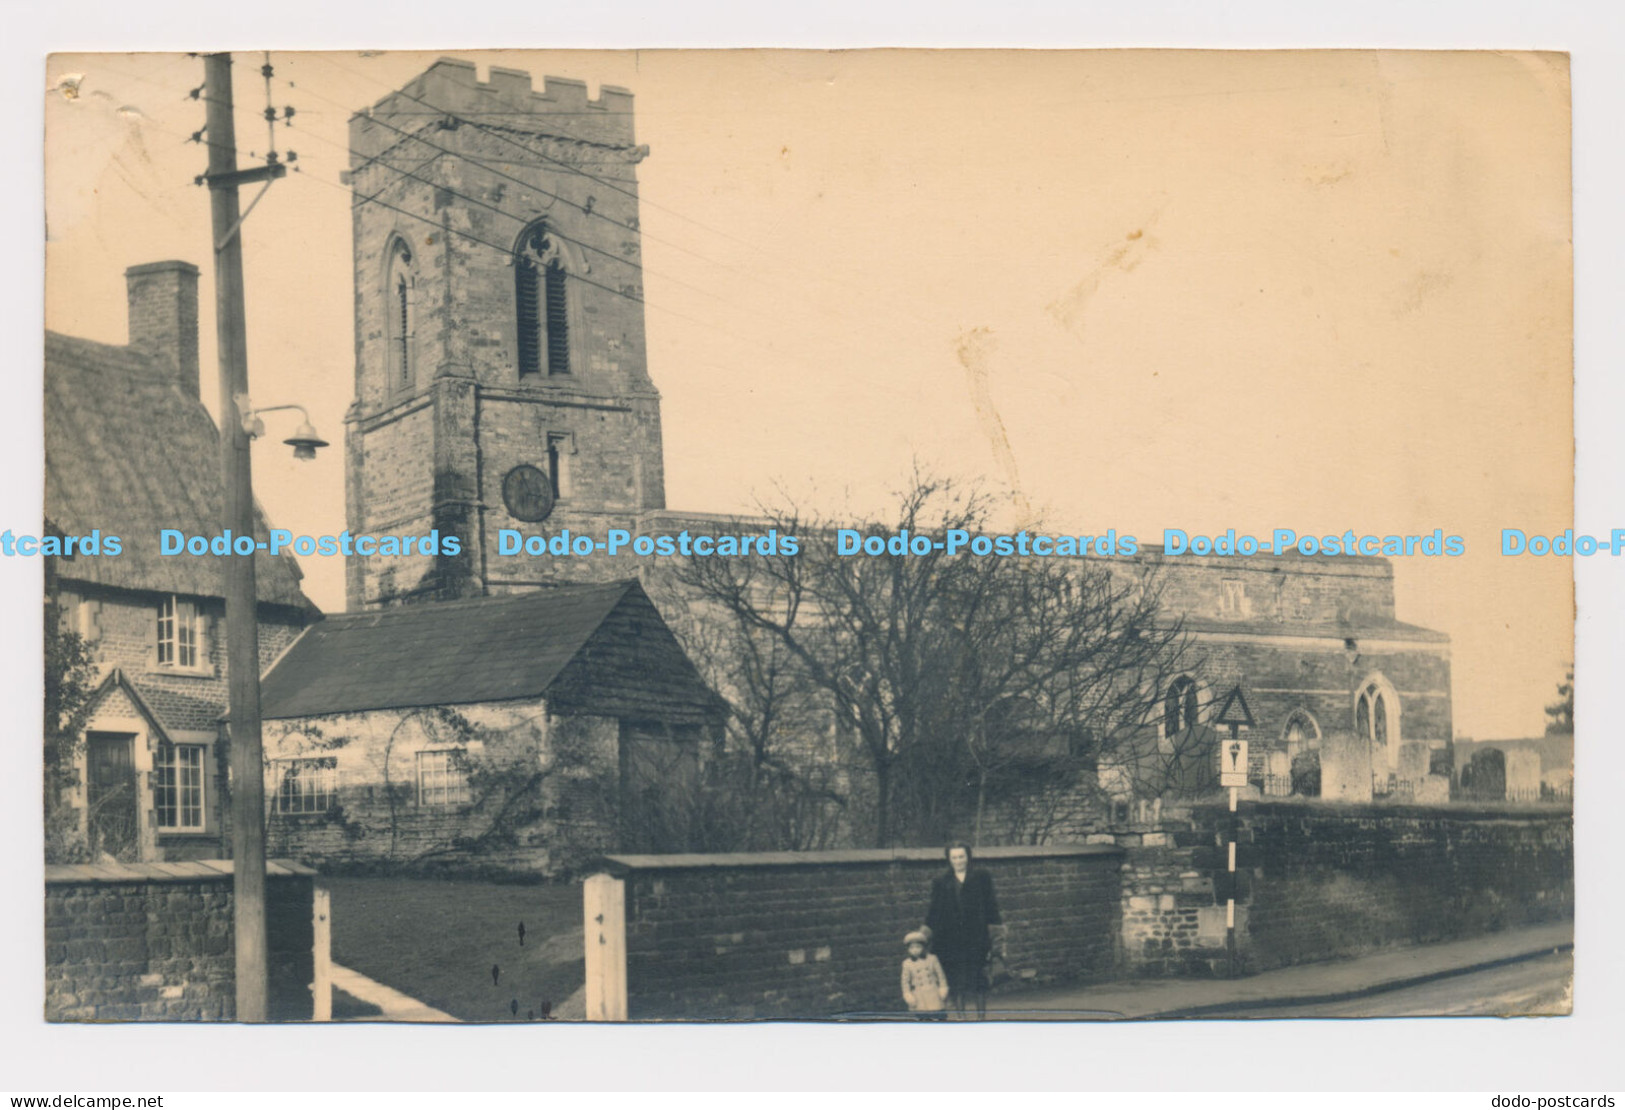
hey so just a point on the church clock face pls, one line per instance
(528, 494)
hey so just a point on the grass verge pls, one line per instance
(438, 941)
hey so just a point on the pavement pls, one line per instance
(1333, 981)
(1145, 999)
(394, 1005)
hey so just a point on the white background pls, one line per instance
(1552, 1055)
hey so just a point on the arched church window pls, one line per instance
(1301, 731)
(1375, 714)
(399, 311)
(1301, 757)
(541, 303)
(1179, 708)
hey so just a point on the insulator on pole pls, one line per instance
(270, 109)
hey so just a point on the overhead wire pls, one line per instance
(521, 220)
(540, 154)
(632, 228)
(505, 249)
(614, 186)
(417, 135)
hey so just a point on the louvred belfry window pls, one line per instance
(558, 328)
(403, 330)
(541, 300)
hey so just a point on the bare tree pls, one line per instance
(774, 783)
(955, 673)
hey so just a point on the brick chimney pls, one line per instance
(163, 318)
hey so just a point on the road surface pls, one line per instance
(1542, 985)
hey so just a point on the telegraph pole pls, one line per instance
(242, 624)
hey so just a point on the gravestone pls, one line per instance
(1522, 774)
(1345, 767)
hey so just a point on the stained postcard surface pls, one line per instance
(740, 477)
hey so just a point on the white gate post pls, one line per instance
(322, 987)
(603, 899)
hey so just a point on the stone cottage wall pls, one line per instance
(154, 942)
(377, 817)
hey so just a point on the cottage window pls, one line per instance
(180, 634)
(177, 796)
(442, 778)
(306, 785)
(541, 305)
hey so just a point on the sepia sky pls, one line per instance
(1316, 290)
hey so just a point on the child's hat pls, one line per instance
(918, 936)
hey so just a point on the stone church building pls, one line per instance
(502, 382)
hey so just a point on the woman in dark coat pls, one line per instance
(963, 908)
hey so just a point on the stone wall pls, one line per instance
(813, 934)
(520, 811)
(1318, 880)
(146, 942)
(1290, 589)
(1173, 910)
(1329, 883)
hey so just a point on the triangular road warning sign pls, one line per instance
(1234, 710)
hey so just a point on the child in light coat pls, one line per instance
(925, 985)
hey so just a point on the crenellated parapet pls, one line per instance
(450, 92)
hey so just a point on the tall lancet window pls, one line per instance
(541, 297)
(399, 310)
(1376, 719)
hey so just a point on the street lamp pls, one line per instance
(304, 440)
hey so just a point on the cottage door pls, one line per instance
(110, 794)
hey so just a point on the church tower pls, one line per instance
(501, 375)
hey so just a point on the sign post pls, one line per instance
(1235, 714)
